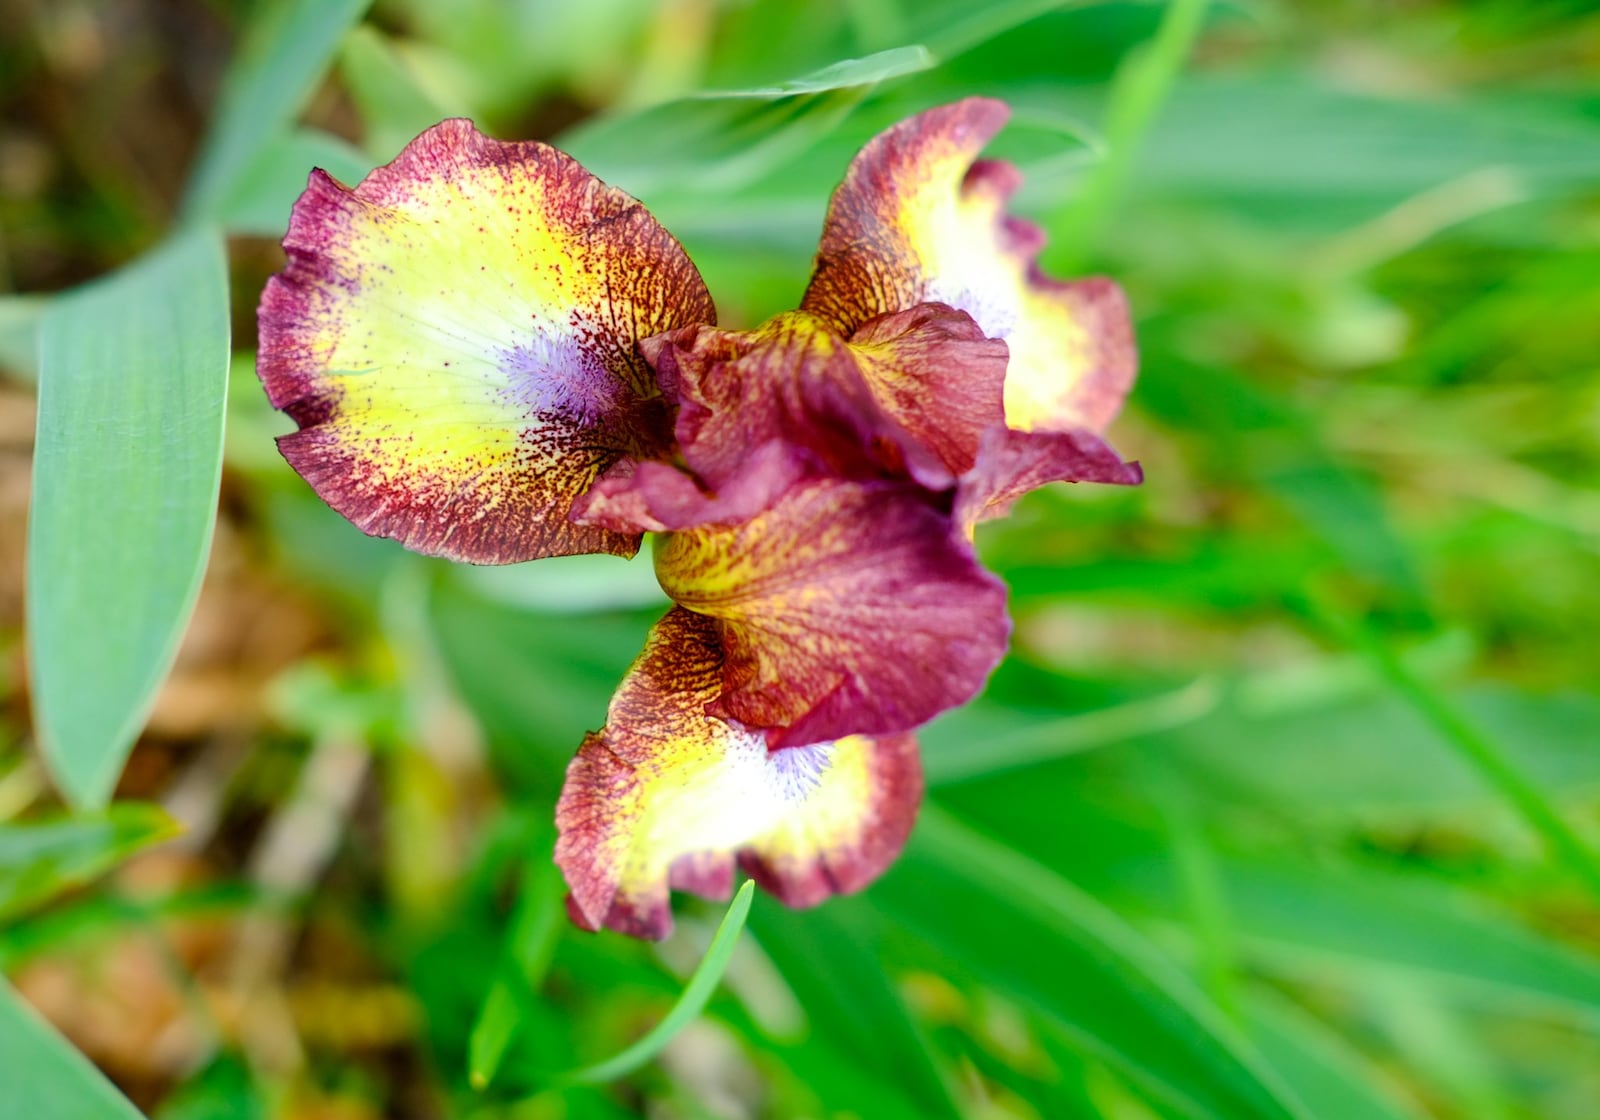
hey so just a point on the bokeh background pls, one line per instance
(1287, 800)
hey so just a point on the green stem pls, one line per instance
(1141, 86)
(1472, 744)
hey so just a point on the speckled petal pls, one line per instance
(919, 219)
(1011, 463)
(846, 608)
(931, 368)
(667, 796)
(792, 379)
(456, 338)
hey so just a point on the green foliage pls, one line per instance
(129, 455)
(1200, 850)
(42, 859)
(44, 1076)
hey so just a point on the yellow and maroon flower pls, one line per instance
(493, 356)
(667, 796)
(919, 220)
(456, 338)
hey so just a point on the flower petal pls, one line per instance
(792, 379)
(456, 339)
(931, 368)
(661, 498)
(846, 608)
(666, 795)
(918, 220)
(1010, 463)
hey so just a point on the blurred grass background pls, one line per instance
(1306, 727)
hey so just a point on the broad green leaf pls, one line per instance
(133, 372)
(1368, 755)
(1009, 922)
(261, 199)
(1492, 762)
(394, 107)
(44, 1078)
(1302, 921)
(567, 585)
(283, 57)
(536, 681)
(1291, 148)
(718, 141)
(39, 860)
(696, 993)
(951, 27)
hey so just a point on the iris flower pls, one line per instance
(493, 356)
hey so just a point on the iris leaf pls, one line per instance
(1141, 86)
(393, 107)
(848, 992)
(133, 374)
(1295, 917)
(948, 748)
(1328, 1074)
(1478, 749)
(44, 1077)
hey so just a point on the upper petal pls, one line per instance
(456, 338)
(793, 379)
(846, 608)
(918, 219)
(1011, 463)
(933, 370)
(667, 796)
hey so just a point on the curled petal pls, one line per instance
(1010, 463)
(666, 797)
(918, 219)
(456, 339)
(660, 498)
(931, 368)
(793, 379)
(845, 608)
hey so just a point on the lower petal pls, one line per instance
(667, 797)
(846, 608)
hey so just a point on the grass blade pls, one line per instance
(128, 459)
(41, 859)
(1140, 88)
(534, 931)
(1482, 752)
(693, 1000)
(284, 56)
(1011, 923)
(44, 1077)
(950, 755)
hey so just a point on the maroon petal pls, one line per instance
(846, 608)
